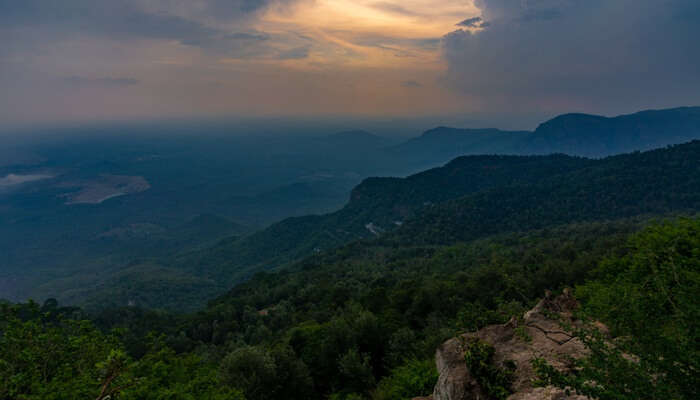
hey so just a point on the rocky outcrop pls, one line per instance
(538, 334)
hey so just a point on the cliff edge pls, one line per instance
(476, 365)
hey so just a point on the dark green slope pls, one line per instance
(658, 181)
(386, 201)
(469, 198)
(363, 321)
(376, 206)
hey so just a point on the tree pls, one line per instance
(649, 299)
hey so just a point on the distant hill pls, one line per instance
(573, 134)
(595, 136)
(443, 143)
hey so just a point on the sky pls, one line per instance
(87, 60)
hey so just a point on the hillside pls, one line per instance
(363, 321)
(377, 205)
(595, 136)
(445, 143)
(656, 181)
(469, 198)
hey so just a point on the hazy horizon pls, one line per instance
(388, 126)
(398, 128)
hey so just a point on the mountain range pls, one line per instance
(573, 134)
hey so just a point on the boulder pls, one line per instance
(538, 334)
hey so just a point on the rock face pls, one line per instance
(538, 334)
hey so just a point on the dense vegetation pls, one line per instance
(361, 322)
(50, 352)
(649, 300)
(652, 182)
(470, 198)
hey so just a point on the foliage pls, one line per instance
(658, 181)
(350, 323)
(251, 369)
(164, 374)
(413, 379)
(494, 380)
(45, 355)
(342, 323)
(50, 353)
(648, 298)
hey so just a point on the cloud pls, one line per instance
(394, 8)
(596, 55)
(81, 81)
(192, 23)
(134, 19)
(255, 36)
(411, 84)
(390, 42)
(111, 19)
(295, 53)
(471, 22)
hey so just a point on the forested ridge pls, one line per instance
(469, 198)
(362, 320)
(384, 202)
(651, 182)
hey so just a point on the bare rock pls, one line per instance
(539, 334)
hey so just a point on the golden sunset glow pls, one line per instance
(366, 33)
